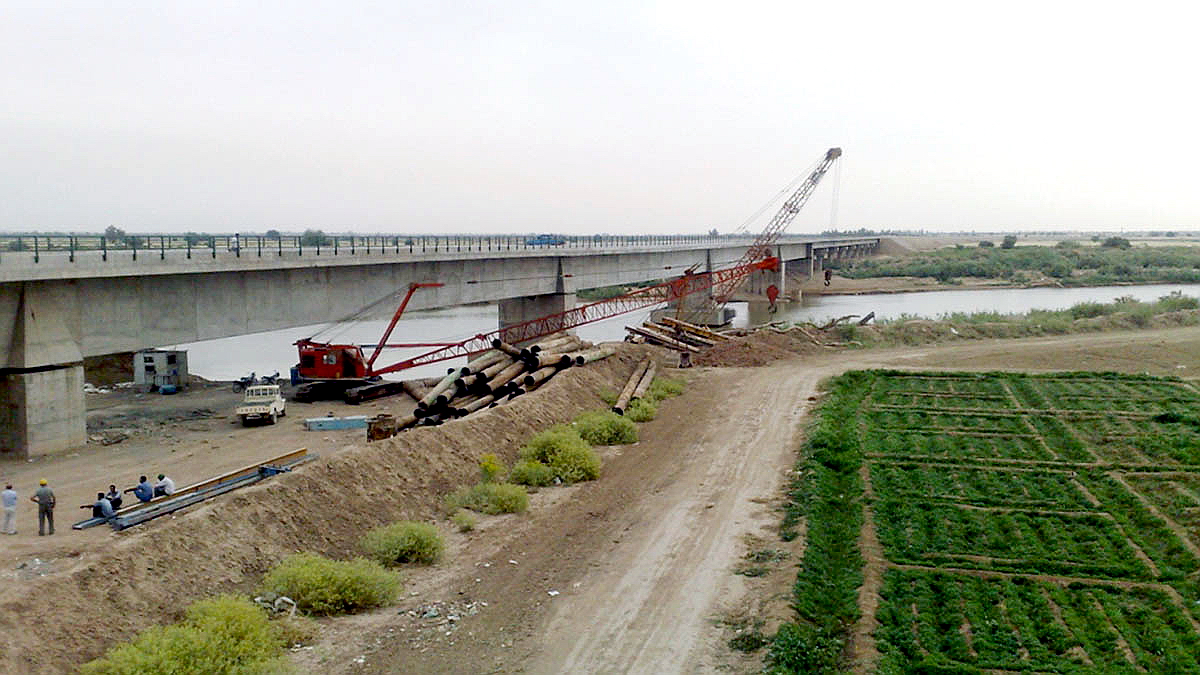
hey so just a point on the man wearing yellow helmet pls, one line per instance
(44, 498)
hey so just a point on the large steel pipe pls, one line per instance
(595, 354)
(532, 379)
(647, 378)
(627, 391)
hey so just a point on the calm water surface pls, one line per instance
(265, 353)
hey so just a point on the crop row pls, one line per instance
(1176, 497)
(1081, 544)
(945, 402)
(937, 622)
(1037, 488)
(827, 492)
(970, 385)
(932, 420)
(910, 444)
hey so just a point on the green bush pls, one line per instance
(323, 586)
(531, 472)
(490, 468)
(641, 410)
(609, 397)
(1009, 241)
(403, 542)
(800, 648)
(463, 520)
(574, 464)
(605, 427)
(546, 444)
(225, 635)
(489, 498)
(663, 388)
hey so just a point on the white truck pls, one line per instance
(262, 402)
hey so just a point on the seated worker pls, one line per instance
(114, 497)
(165, 487)
(144, 490)
(102, 508)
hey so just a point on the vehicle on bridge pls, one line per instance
(545, 240)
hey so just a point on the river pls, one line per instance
(265, 353)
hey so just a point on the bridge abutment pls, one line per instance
(41, 385)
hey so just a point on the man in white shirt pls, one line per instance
(8, 500)
(164, 487)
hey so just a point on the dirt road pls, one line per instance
(633, 573)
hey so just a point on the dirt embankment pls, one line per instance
(147, 575)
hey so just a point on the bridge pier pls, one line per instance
(41, 385)
(520, 310)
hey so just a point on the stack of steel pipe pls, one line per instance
(499, 375)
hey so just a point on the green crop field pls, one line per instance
(1008, 523)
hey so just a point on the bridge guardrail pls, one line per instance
(64, 248)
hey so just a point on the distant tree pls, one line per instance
(273, 234)
(195, 238)
(986, 243)
(114, 233)
(1171, 234)
(18, 245)
(314, 238)
(713, 233)
(1116, 242)
(1010, 240)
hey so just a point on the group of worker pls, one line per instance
(105, 506)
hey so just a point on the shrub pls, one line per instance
(227, 634)
(403, 542)
(531, 472)
(1010, 240)
(662, 388)
(546, 444)
(323, 586)
(1175, 301)
(800, 648)
(1116, 242)
(490, 468)
(489, 498)
(575, 464)
(641, 410)
(609, 397)
(605, 427)
(986, 243)
(463, 520)
(562, 449)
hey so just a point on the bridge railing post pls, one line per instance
(71, 243)
(36, 254)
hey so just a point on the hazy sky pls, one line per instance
(614, 116)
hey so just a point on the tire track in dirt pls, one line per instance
(659, 591)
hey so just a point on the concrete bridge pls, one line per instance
(58, 306)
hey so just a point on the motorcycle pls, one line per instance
(240, 384)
